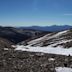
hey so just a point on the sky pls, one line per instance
(35, 12)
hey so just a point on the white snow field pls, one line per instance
(63, 69)
(50, 50)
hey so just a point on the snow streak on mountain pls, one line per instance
(52, 43)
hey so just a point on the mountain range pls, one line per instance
(53, 28)
(46, 35)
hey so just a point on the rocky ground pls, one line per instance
(18, 61)
(5, 43)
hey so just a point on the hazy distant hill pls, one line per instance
(48, 28)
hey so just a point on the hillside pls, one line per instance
(23, 50)
(4, 43)
(55, 39)
(16, 35)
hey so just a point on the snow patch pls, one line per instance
(51, 59)
(62, 32)
(50, 50)
(46, 37)
(6, 49)
(41, 39)
(60, 42)
(63, 69)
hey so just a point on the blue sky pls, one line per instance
(35, 12)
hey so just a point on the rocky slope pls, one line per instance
(4, 43)
(55, 39)
(18, 61)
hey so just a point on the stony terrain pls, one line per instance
(18, 61)
(4, 43)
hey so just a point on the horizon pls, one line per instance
(35, 12)
(37, 26)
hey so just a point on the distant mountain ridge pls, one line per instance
(53, 28)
